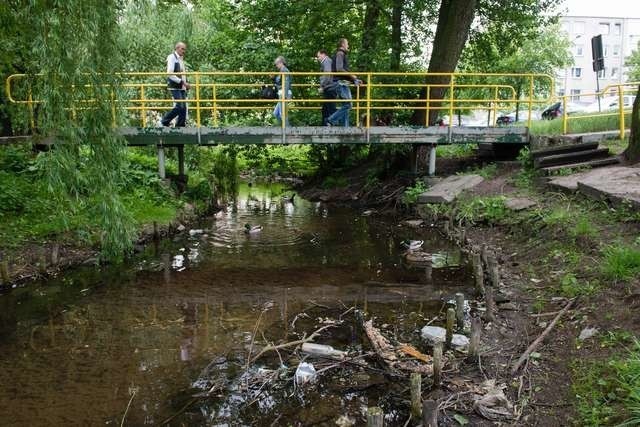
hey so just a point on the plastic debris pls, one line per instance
(322, 350)
(195, 231)
(305, 373)
(587, 333)
(435, 334)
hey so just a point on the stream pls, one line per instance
(166, 336)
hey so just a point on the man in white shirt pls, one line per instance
(177, 85)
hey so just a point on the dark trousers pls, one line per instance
(179, 109)
(328, 108)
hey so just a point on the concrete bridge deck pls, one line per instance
(324, 135)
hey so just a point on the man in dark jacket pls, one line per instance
(342, 78)
(178, 86)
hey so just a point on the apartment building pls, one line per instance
(620, 36)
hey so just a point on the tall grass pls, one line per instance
(621, 262)
(579, 123)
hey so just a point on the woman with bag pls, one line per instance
(283, 90)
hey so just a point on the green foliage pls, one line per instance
(633, 62)
(411, 194)
(487, 172)
(572, 287)
(608, 393)
(268, 160)
(489, 209)
(455, 151)
(583, 228)
(334, 182)
(579, 123)
(621, 262)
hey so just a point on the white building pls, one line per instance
(620, 36)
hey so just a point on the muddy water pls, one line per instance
(179, 321)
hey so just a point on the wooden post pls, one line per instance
(451, 316)
(474, 342)
(494, 272)
(416, 395)
(42, 264)
(490, 304)
(463, 236)
(429, 413)
(156, 233)
(460, 310)
(445, 228)
(180, 160)
(483, 254)
(437, 363)
(375, 417)
(55, 254)
(478, 272)
(4, 271)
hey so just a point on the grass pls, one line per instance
(579, 123)
(411, 194)
(608, 393)
(487, 172)
(487, 209)
(455, 151)
(621, 262)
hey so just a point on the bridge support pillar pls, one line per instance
(432, 160)
(161, 170)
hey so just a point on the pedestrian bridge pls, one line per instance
(226, 108)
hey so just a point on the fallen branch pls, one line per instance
(289, 344)
(540, 338)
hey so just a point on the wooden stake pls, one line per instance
(437, 363)
(445, 229)
(55, 254)
(460, 311)
(451, 316)
(42, 264)
(4, 271)
(375, 417)
(416, 395)
(494, 272)
(429, 413)
(463, 236)
(478, 272)
(474, 342)
(490, 304)
(483, 255)
(156, 233)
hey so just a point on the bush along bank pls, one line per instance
(560, 324)
(40, 236)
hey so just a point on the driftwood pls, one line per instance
(540, 338)
(389, 354)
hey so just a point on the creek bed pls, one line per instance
(179, 319)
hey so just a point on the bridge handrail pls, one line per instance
(620, 89)
(451, 100)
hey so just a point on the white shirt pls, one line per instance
(171, 63)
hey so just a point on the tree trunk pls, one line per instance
(454, 21)
(632, 154)
(371, 16)
(396, 35)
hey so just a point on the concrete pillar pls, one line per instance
(432, 160)
(161, 170)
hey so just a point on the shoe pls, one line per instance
(163, 124)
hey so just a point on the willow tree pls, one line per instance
(74, 58)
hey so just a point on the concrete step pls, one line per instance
(563, 149)
(588, 164)
(572, 157)
(447, 190)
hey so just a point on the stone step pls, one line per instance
(588, 164)
(563, 149)
(570, 158)
(447, 190)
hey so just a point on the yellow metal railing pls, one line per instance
(613, 91)
(215, 93)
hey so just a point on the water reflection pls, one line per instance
(183, 315)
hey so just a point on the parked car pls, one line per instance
(552, 111)
(510, 118)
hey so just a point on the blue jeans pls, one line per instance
(179, 109)
(280, 107)
(341, 117)
(328, 108)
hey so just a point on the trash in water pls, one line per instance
(195, 231)
(305, 373)
(178, 261)
(322, 350)
(434, 334)
(412, 245)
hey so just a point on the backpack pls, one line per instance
(268, 92)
